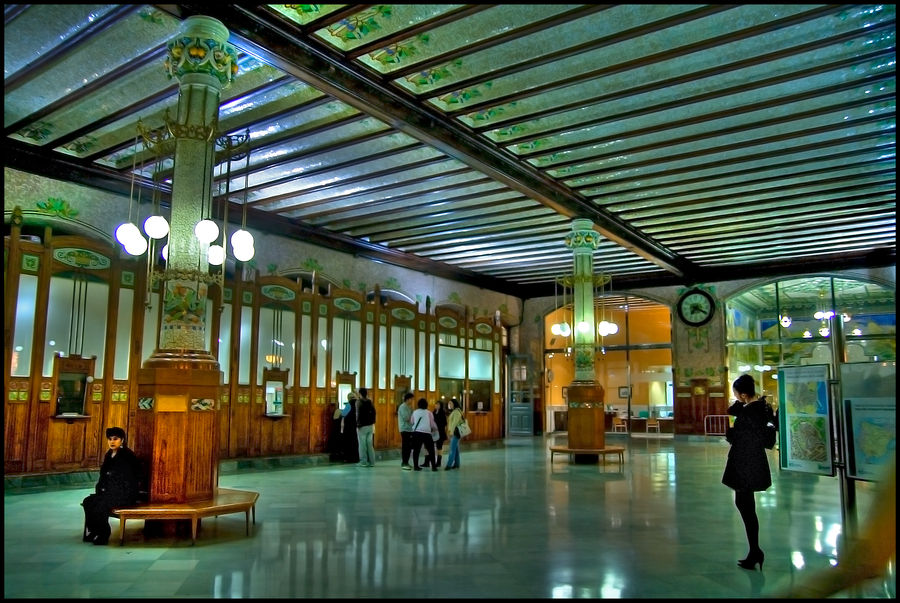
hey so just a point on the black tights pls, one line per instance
(745, 502)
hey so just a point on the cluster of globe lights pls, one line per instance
(206, 232)
(604, 328)
(133, 241)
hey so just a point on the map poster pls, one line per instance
(871, 435)
(804, 419)
(869, 394)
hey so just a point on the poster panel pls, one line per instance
(805, 419)
(870, 417)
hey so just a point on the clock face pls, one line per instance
(696, 307)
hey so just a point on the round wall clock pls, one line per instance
(696, 307)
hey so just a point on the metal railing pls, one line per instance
(715, 424)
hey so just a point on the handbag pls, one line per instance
(435, 435)
(463, 429)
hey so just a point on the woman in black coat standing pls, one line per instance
(440, 417)
(350, 438)
(747, 469)
(117, 487)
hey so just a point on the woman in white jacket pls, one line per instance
(423, 425)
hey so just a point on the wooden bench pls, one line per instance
(225, 501)
(617, 450)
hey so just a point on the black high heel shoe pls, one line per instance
(752, 559)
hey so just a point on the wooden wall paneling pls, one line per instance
(66, 443)
(257, 406)
(225, 416)
(128, 392)
(12, 268)
(302, 400)
(278, 291)
(320, 415)
(15, 423)
(166, 480)
(202, 441)
(242, 408)
(298, 403)
(96, 445)
(320, 421)
(39, 414)
(234, 366)
(15, 404)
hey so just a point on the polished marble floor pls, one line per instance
(508, 524)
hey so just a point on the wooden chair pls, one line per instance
(652, 424)
(619, 425)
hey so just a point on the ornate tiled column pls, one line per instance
(586, 421)
(177, 423)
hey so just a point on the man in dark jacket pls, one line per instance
(117, 487)
(365, 428)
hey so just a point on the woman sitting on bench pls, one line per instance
(117, 487)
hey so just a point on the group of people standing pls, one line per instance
(423, 428)
(353, 432)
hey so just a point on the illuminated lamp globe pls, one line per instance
(241, 238)
(244, 254)
(206, 231)
(127, 232)
(565, 330)
(583, 327)
(136, 246)
(156, 227)
(607, 328)
(165, 252)
(555, 329)
(216, 255)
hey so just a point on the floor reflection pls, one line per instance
(508, 524)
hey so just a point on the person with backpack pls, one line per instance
(747, 468)
(365, 428)
(453, 421)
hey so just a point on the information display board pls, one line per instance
(870, 417)
(805, 419)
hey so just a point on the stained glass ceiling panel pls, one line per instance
(462, 139)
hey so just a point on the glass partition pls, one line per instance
(151, 329)
(382, 353)
(123, 334)
(323, 349)
(345, 344)
(798, 321)
(403, 350)
(75, 299)
(480, 365)
(368, 377)
(275, 344)
(451, 362)
(421, 374)
(225, 341)
(306, 348)
(24, 334)
(246, 333)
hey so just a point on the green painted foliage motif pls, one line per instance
(312, 265)
(57, 207)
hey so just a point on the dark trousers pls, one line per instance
(96, 514)
(424, 439)
(406, 445)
